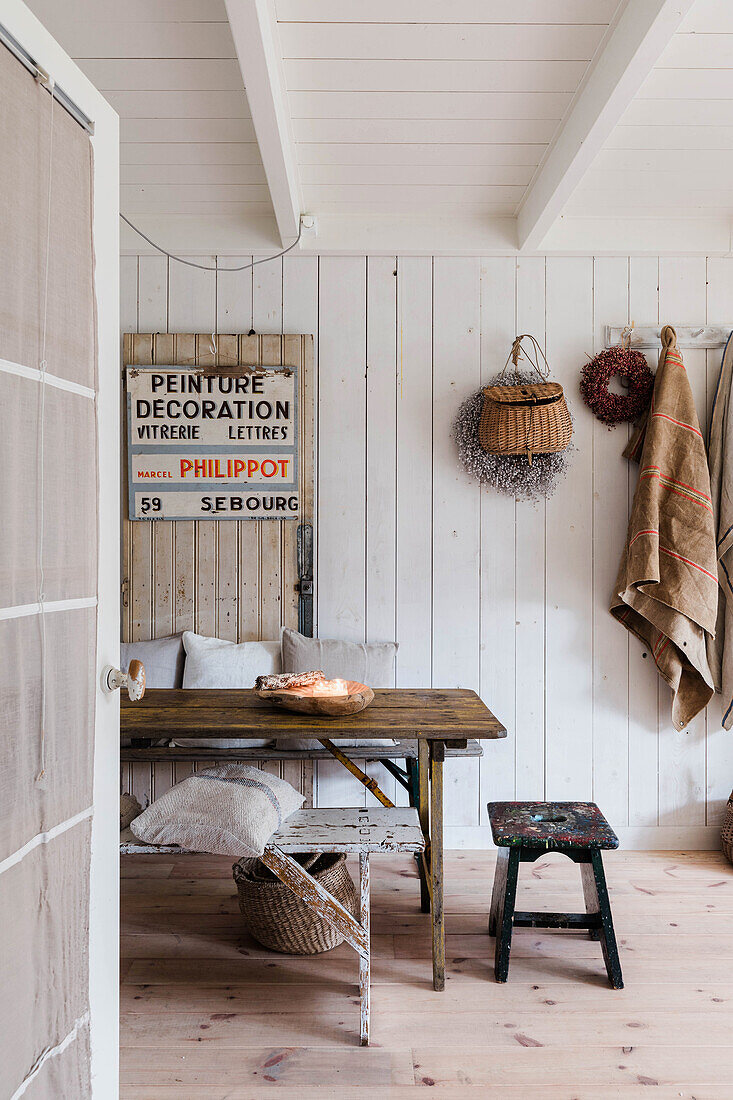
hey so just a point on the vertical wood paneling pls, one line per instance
(644, 684)
(569, 555)
(128, 293)
(509, 598)
(610, 515)
(529, 595)
(341, 448)
(381, 448)
(300, 314)
(250, 625)
(498, 547)
(227, 534)
(456, 498)
(682, 294)
(719, 742)
(206, 566)
(381, 467)
(153, 294)
(192, 297)
(163, 533)
(234, 296)
(341, 474)
(271, 564)
(267, 297)
(184, 533)
(414, 470)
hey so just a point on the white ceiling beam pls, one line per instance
(632, 46)
(254, 30)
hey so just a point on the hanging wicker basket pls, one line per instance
(281, 921)
(530, 419)
(726, 836)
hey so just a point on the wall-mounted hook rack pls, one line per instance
(647, 337)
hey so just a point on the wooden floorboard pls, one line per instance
(208, 1014)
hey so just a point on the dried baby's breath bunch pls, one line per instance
(510, 474)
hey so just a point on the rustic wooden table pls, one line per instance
(436, 718)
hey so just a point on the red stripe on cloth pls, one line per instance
(675, 481)
(678, 492)
(649, 531)
(663, 550)
(679, 423)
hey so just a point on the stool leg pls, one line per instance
(497, 894)
(596, 901)
(583, 858)
(364, 960)
(505, 916)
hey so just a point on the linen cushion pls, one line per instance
(230, 810)
(215, 663)
(368, 664)
(163, 659)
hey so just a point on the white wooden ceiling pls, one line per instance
(485, 124)
(390, 115)
(169, 68)
(672, 152)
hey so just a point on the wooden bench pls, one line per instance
(408, 777)
(361, 831)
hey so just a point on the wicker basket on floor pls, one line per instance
(726, 836)
(281, 921)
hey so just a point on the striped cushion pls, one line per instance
(230, 810)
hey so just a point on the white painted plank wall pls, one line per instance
(508, 598)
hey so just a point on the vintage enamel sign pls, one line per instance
(212, 446)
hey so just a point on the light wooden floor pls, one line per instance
(207, 1014)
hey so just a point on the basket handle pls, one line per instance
(532, 356)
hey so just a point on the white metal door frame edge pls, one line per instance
(104, 919)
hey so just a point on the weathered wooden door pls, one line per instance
(233, 579)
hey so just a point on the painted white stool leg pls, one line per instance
(365, 956)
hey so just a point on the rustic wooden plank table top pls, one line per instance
(430, 713)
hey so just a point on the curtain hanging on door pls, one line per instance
(48, 483)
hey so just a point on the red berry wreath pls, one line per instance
(614, 408)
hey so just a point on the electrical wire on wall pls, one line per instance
(208, 267)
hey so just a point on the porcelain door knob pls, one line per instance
(133, 680)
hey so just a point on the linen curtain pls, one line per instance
(48, 587)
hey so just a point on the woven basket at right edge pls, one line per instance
(726, 836)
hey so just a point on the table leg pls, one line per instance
(437, 756)
(423, 809)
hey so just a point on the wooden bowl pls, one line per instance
(303, 701)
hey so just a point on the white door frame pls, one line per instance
(104, 896)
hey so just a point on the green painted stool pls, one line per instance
(523, 831)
